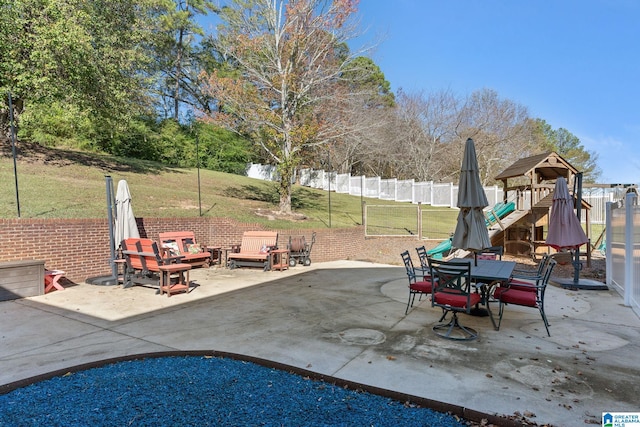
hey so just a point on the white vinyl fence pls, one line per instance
(623, 249)
(428, 193)
(598, 206)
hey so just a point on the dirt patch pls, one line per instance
(32, 153)
(387, 251)
(273, 215)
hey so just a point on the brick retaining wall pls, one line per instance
(80, 247)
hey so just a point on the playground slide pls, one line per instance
(501, 210)
(441, 248)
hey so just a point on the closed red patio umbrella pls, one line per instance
(565, 231)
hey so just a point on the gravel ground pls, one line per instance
(203, 391)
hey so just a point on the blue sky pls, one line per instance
(575, 64)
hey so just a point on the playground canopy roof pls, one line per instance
(548, 166)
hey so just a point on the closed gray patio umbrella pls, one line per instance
(471, 230)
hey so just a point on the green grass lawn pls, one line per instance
(59, 183)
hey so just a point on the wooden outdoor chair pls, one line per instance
(145, 266)
(254, 250)
(184, 245)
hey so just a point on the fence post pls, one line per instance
(431, 193)
(419, 220)
(362, 202)
(451, 203)
(608, 234)
(364, 216)
(628, 248)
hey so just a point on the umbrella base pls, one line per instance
(102, 280)
(479, 312)
(580, 284)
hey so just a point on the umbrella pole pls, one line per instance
(198, 166)
(577, 266)
(109, 183)
(113, 279)
(577, 191)
(13, 151)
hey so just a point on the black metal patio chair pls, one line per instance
(533, 297)
(452, 291)
(416, 287)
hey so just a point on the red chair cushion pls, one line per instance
(421, 286)
(453, 300)
(522, 285)
(524, 288)
(518, 297)
(498, 291)
(514, 286)
(520, 282)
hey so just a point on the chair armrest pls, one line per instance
(171, 259)
(525, 274)
(522, 285)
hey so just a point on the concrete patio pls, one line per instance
(346, 319)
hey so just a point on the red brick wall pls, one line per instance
(80, 247)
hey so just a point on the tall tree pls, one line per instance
(291, 58)
(88, 54)
(178, 54)
(568, 146)
(425, 125)
(500, 128)
(365, 77)
(429, 131)
(368, 109)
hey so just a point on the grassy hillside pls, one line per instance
(58, 183)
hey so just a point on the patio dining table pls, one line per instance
(486, 275)
(492, 270)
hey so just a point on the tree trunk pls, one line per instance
(285, 203)
(5, 117)
(285, 188)
(176, 90)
